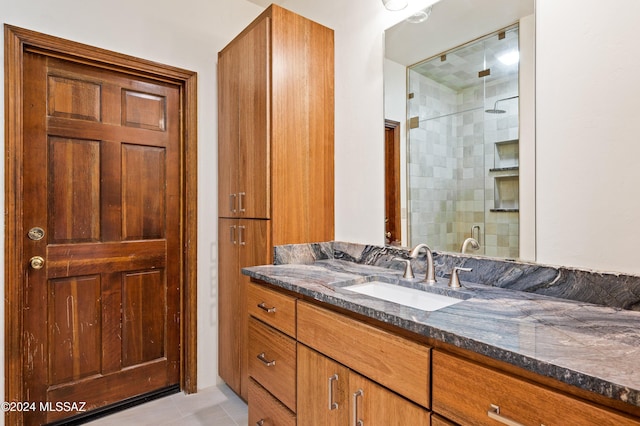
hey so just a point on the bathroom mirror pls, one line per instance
(463, 124)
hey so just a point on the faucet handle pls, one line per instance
(408, 270)
(454, 281)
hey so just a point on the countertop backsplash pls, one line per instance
(601, 288)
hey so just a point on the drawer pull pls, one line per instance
(494, 413)
(268, 310)
(260, 422)
(356, 420)
(332, 405)
(265, 361)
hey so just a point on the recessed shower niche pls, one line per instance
(462, 146)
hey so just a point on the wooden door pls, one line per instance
(253, 112)
(243, 120)
(229, 309)
(101, 179)
(377, 406)
(322, 390)
(393, 207)
(228, 133)
(241, 243)
(254, 248)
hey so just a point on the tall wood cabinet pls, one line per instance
(275, 159)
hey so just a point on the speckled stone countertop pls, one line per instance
(592, 347)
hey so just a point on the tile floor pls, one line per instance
(214, 406)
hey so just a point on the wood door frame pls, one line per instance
(17, 41)
(392, 176)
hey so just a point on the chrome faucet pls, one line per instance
(430, 277)
(470, 242)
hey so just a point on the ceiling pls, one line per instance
(452, 23)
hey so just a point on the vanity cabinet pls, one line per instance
(272, 356)
(351, 371)
(332, 395)
(467, 392)
(275, 159)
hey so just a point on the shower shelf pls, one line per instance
(506, 155)
(505, 169)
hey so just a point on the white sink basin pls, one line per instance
(404, 296)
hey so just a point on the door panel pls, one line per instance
(101, 177)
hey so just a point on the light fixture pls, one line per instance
(395, 4)
(420, 16)
(510, 58)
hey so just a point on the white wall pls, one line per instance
(588, 198)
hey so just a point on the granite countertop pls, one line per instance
(592, 347)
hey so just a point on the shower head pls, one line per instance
(495, 109)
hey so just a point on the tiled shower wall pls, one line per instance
(450, 186)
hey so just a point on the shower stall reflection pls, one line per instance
(463, 147)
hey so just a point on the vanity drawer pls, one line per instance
(274, 308)
(467, 392)
(395, 362)
(263, 407)
(272, 361)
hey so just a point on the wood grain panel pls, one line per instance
(264, 409)
(384, 357)
(253, 124)
(314, 371)
(83, 259)
(143, 192)
(74, 328)
(279, 378)
(464, 391)
(379, 407)
(74, 196)
(279, 310)
(302, 134)
(143, 317)
(143, 110)
(69, 98)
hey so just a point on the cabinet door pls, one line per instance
(228, 304)
(253, 95)
(373, 405)
(254, 248)
(322, 390)
(228, 132)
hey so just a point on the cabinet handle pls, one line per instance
(260, 422)
(494, 413)
(356, 420)
(241, 235)
(268, 310)
(265, 361)
(232, 234)
(332, 405)
(232, 202)
(241, 196)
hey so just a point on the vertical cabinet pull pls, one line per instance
(232, 202)
(267, 309)
(262, 357)
(241, 235)
(332, 404)
(494, 413)
(241, 196)
(232, 234)
(356, 420)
